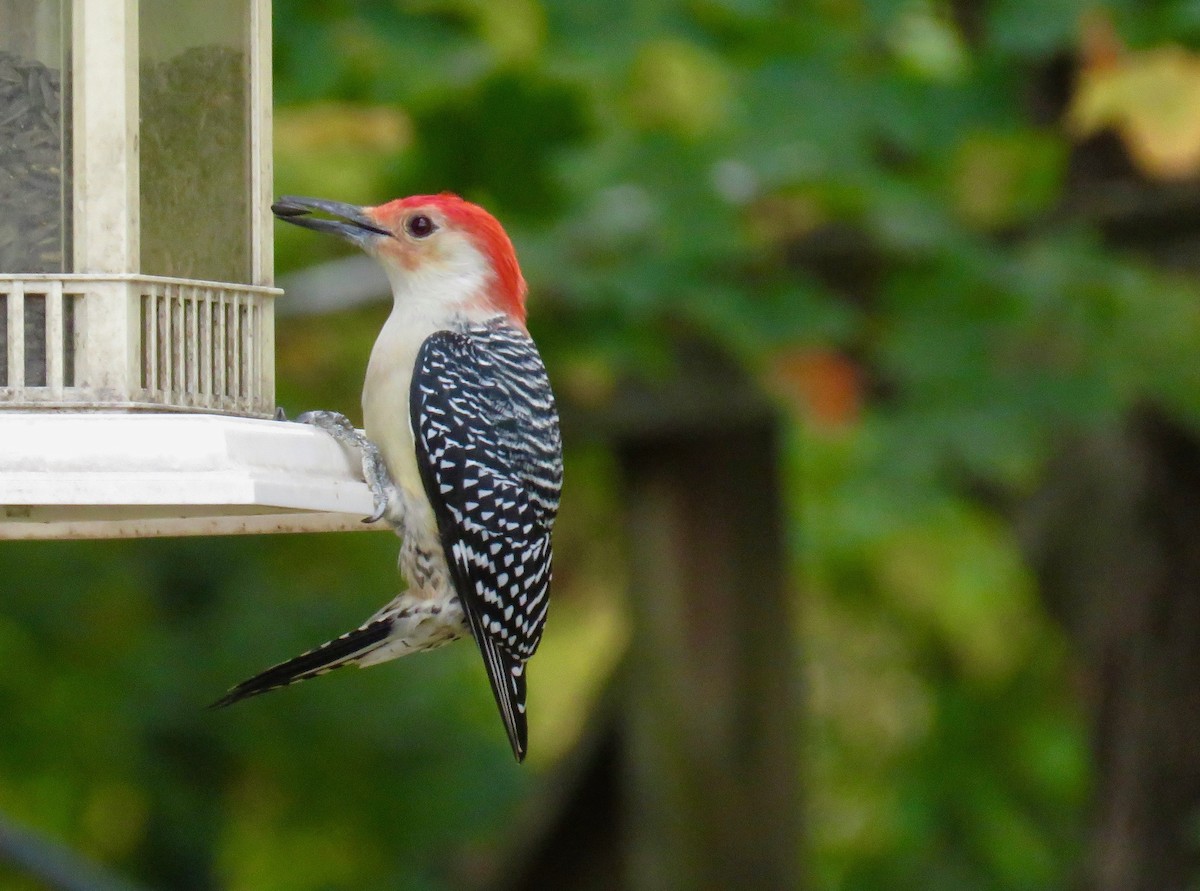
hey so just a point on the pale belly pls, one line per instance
(385, 405)
(386, 423)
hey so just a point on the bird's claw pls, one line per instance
(379, 481)
(335, 424)
(375, 471)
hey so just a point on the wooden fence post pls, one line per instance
(712, 685)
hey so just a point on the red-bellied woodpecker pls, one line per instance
(461, 451)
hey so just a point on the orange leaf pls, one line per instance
(823, 385)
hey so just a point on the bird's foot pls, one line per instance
(383, 489)
(335, 424)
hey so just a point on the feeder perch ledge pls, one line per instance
(161, 474)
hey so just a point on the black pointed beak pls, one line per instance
(349, 221)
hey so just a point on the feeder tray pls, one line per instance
(144, 474)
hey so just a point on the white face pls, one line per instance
(439, 272)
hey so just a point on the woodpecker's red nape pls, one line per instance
(484, 229)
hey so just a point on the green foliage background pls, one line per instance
(657, 163)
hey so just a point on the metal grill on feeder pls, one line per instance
(195, 346)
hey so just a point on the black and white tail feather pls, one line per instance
(407, 624)
(344, 650)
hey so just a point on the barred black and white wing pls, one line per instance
(488, 448)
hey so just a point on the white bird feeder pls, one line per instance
(136, 272)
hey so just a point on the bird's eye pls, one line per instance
(420, 226)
